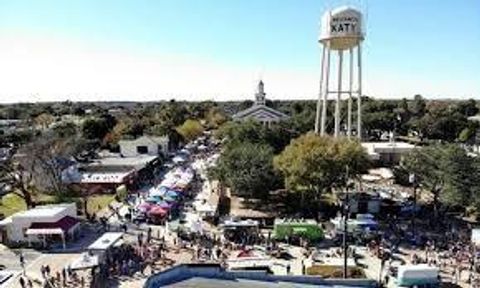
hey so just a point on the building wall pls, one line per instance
(128, 148)
(20, 223)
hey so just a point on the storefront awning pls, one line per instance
(61, 226)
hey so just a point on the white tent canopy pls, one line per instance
(85, 261)
(106, 241)
(244, 223)
(178, 159)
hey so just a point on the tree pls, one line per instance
(79, 111)
(172, 113)
(97, 128)
(45, 160)
(248, 169)
(215, 117)
(303, 115)
(238, 132)
(314, 164)
(278, 136)
(378, 116)
(467, 108)
(468, 134)
(16, 175)
(419, 106)
(44, 120)
(190, 129)
(65, 129)
(39, 165)
(446, 171)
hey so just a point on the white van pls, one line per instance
(420, 275)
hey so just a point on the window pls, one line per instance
(142, 149)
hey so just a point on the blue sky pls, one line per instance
(213, 49)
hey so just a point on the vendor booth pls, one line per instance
(364, 223)
(85, 261)
(157, 214)
(104, 243)
(242, 231)
(307, 229)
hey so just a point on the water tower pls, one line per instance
(341, 31)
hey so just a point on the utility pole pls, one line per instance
(345, 228)
(412, 179)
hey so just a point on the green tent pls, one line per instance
(308, 230)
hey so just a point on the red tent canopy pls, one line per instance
(157, 211)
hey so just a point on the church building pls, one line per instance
(259, 111)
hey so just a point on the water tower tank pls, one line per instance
(341, 28)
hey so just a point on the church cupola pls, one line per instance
(260, 95)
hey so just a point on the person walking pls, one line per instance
(22, 282)
(64, 276)
(57, 277)
(42, 271)
(47, 270)
(22, 262)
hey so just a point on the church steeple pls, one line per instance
(260, 95)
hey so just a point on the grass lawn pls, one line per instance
(329, 271)
(98, 202)
(11, 203)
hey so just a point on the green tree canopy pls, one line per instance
(447, 171)
(97, 128)
(278, 136)
(190, 129)
(318, 164)
(65, 129)
(248, 169)
(467, 108)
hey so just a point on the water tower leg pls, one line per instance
(349, 108)
(319, 102)
(326, 72)
(359, 99)
(339, 94)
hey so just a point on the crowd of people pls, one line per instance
(447, 247)
(60, 278)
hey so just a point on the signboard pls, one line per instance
(344, 25)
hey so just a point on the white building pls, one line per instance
(145, 145)
(387, 152)
(259, 111)
(109, 171)
(42, 224)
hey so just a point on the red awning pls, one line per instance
(66, 223)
